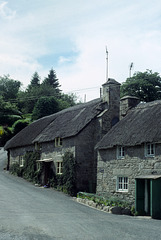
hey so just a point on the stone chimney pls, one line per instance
(111, 99)
(111, 92)
(126, 103)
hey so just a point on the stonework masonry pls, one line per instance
(134, 164)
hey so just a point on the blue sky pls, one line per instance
(70, 36)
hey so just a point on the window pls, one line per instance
(120, 152)
(37, 146)
(59, 169)
(21, 161)
(150, 150)
(58, 142)
(122, 184)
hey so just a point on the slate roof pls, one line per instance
(65, 123)
(142, 124)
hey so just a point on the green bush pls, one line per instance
(7, 134)
(69, 173)
(30, 170)
(16, 169)
(102, 200)
(19, 125)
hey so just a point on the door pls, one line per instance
(142, 198)
(148, 196)
(156, 198)
(47, 169)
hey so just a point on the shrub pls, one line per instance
(69, 173)
(102, 200)
(16, 170)
(30, 170)
(19, 125)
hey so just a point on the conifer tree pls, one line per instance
(52, 81)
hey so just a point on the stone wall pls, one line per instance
(15, 153)
(134, 164)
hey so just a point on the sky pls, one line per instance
(71, 37)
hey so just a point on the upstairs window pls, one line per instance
(58, 142)
(38, 146)
(122, 184)
(59, 169)
(21, 161)
(120, 152)
(149, 149)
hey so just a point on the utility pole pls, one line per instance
(106, 64)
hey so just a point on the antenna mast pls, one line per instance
(106, 64)
(131, 65)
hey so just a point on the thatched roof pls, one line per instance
(142, 124)
(63, 124)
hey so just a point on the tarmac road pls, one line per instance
(29, 212)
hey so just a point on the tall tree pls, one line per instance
(8, 87)
(144, 85)
(52, 81)
(35, 81)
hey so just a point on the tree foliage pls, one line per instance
(8, 112)
(39, 100)
(35, 81)
(144, 85)
(19, 125)
(44, 107)
(52, 81)
(8, 87)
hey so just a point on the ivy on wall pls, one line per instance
(69, 173)
(29, 171)
(65, 182)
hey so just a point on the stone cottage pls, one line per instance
(129, 157)
(77, 129)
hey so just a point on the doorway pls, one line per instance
(148, 196)
(143, 196)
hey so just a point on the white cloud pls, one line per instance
(63, 60)
(5, 12)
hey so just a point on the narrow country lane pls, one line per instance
(29, 212)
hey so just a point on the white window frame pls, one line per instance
(120, 152)
(38, 146)
(122, 184)
(58, 142)
(149, 150)
(59, 167)
(21, 161)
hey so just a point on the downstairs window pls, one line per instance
(122, 184)
(59, 168)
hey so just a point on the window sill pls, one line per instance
(150, 156)
(122, 191)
